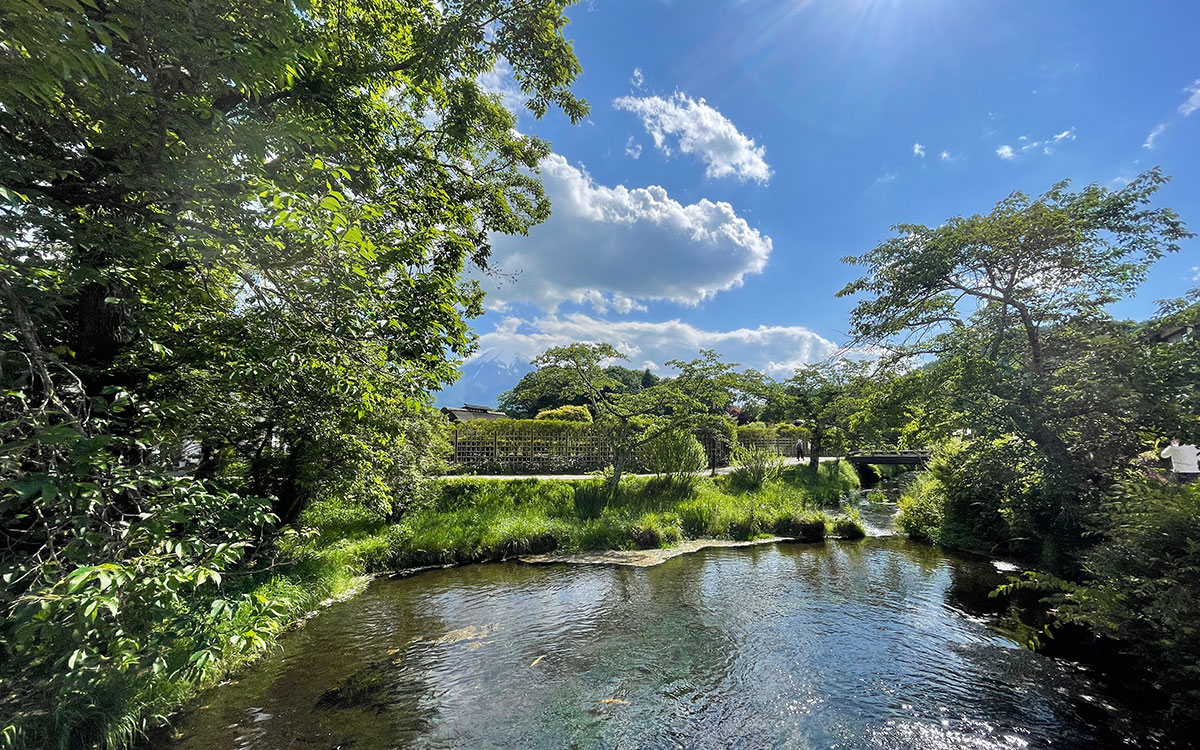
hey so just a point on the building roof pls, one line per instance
(471, 412)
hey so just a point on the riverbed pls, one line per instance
(876, 643)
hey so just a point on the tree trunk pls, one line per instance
(614, 482)
(814, 448)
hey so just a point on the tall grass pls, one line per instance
(476, 520)
(337, 544)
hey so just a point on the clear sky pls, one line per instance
(738, 149)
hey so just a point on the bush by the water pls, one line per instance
(922, 508)
(1140, 586)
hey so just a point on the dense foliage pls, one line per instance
(1008, 310)
(547, 388)
(1042, 407)
(231, 244)
(1141, 591)
(566, 414)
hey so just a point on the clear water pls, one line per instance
(872, 644)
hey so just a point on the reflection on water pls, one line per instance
(871, 644)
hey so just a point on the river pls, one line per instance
(878, 643)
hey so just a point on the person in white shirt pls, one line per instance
(1183, 460)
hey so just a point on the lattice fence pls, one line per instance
(530, 448)
(546, 447)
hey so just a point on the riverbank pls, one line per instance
(479, 520)
(337, 547)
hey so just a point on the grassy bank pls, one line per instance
(113, 712)
(475, 520)
(337, 545)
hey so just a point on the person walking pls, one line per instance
(1183, 460)
(800, 449)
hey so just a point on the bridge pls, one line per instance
(888, 457)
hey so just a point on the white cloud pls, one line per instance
(1154, 134)
(886, 177)
(918, 150)
(633, 150)
(1195, 273)
(499, 81)
(614, 246)
(637, 79)
(776, 350)
(1190, 105)
(945, 156)
(1046, 145)
(1193, 102)
(694, 127)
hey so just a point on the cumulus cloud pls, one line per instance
(776, 350)
(637, 79)
(945, 155)
(632, 150)
(694, 127)
(1195, 273)
(615, 246)
(918, 150)
(1006, 152)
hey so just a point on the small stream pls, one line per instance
(878, 643)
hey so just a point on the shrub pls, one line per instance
(1140, 587)
(922, 508)
(566, 414)
(803, 527)
(756, 466)
(653, 530)
(676, 454)
(849, 524)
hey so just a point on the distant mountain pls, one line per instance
(483, 380)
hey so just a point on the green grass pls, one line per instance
(339, 544)
(476, 520)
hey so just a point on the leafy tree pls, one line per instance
(629, 420)
(543, 389)
(237, 227)
(822, 398)
(715, 384)
(1013, 306)
(1016, 275)
(547, 388)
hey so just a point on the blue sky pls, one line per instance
(738, 149)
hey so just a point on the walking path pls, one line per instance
(516, 477)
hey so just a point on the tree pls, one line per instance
(547, 388)
(243, 225)
(715, 384)
(629, 420)
(1029, 266)
(1012, 305)
(820, 396)
(543, 389)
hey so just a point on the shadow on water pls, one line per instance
(878, 643)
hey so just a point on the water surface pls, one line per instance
(879, 643)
